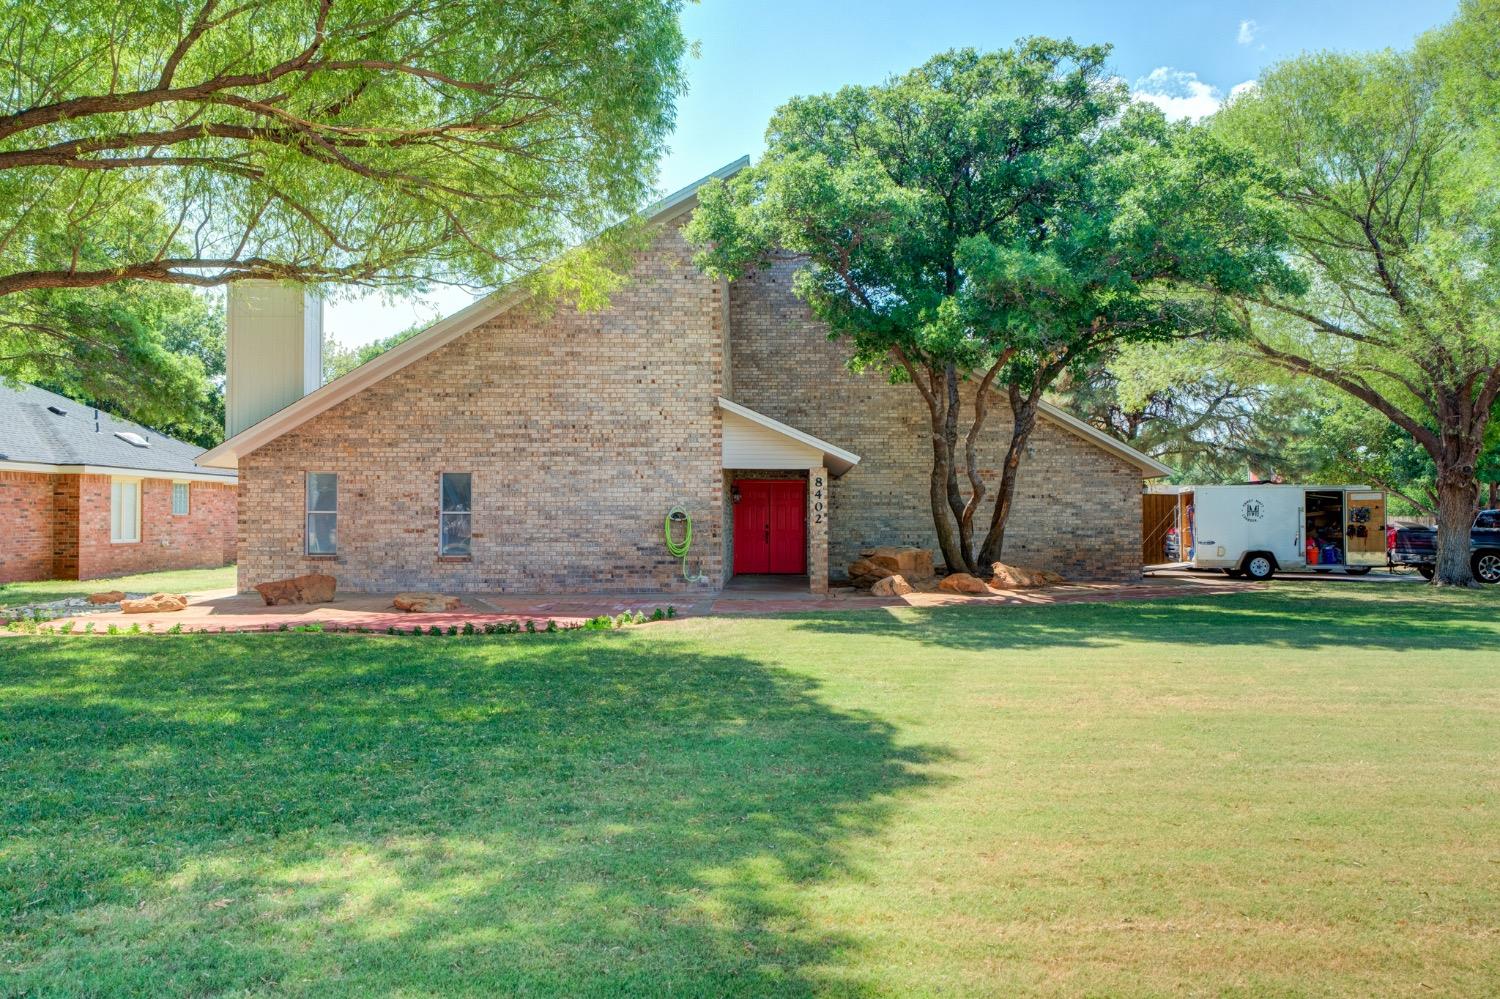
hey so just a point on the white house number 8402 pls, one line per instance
(817, 499)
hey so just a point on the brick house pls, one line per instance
(512, 449)
(84, 495)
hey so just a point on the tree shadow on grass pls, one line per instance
(549, 815)
(1373, 618)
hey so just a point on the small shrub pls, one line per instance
(658, 615)
(88, 628)
(176, 629)
(135, 628)
(434, 630)
(468, 627)
(283, 627)
(671, 611)
(452, 629)
(530, 626)
(113, 629)
(67, 628)
(551, 625)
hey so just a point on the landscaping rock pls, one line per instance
(1021, 577)
(107, 597)
(962, 582)
(313, 588)
(891, 586)
(889, 560)
(156, 603)
(417, 603)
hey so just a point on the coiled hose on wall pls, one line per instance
(679, 549)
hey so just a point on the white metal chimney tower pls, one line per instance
(274, 350)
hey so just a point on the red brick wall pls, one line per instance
(25, 526)
(203, 538)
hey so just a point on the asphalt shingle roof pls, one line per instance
(31, 430)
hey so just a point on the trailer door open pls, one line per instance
(1365, 531)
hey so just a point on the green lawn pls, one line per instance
(171, 581)
(1293, 792)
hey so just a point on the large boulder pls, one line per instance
(891, 586)
(156, 603)
(418, 603)
(107, 597)
(962, 582)
(1022, 577)
(313, 588)
(889, 560)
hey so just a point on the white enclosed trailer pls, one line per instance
(1258, 529)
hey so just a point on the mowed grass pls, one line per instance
(170, 581)
(1292, 792)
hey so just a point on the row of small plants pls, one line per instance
(601, 623)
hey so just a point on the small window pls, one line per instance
(1488, 520)
(124, 511)
(322, 513)
(180, 499)
(456, 515)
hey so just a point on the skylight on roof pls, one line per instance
(58, 410)
(132, 438)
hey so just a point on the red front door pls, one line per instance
(770, 527)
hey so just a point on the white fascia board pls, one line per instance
(837, 459)
(1153, 468)
(118, 472)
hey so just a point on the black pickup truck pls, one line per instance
(1417, 547)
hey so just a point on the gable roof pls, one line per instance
(439, 334)
(46, 432)
(450, 328)
(835, 459)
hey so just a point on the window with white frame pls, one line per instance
(180, 493)
(455, 518)
(124, 511)
(322, 513)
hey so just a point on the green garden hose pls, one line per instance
(679, 549)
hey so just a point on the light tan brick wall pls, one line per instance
(195, 540)
(580, 430)
(1077, 506)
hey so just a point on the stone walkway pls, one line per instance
(228, 611)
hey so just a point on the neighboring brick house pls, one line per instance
(512, 449)
(84, 495)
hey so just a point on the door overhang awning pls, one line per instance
(755, 441)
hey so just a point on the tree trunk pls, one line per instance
(1458, 497)
(1494, 502)
(1023, 415)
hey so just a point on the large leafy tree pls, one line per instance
(1181, 404)
(1392, 198)
(151, 353)
(985, 223)
(393, 142)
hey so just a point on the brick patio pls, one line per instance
(227, 611)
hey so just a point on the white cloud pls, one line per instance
(1242, 88)
(1178, 93)
(1248, 28)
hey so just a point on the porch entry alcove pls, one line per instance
(777, 483)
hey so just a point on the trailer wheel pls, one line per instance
(1259, 567)
(1427, 571)
(1486, 567)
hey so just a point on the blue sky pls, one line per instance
(752, 56)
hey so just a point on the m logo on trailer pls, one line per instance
(1253, 510)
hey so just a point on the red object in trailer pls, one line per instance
(1312, 553)
(770, 527)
